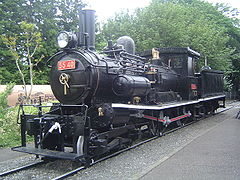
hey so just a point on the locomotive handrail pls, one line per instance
(133, 70)
(114, 50)
(53, 57)
(54, 105)
(132, 55)
(89, 61)
(18, 114)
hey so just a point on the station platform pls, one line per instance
(214, 155)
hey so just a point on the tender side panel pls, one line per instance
(211, 83)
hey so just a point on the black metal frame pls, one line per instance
(45, 152)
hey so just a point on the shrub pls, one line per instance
(9, 129)
(8, 126)
(3, 99)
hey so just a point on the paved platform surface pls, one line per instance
(213, 156)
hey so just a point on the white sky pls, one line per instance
(233, 3)
(107, 8)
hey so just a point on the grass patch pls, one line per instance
(10, 134)
(8, 126)
(9, 129)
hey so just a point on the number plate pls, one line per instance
(69, 64)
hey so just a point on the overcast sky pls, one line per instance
(107, 8)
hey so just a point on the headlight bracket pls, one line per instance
(67, 40)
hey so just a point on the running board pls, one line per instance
(48, 153)
(166, 106)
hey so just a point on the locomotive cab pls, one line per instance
(181, 61)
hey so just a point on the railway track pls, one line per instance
(80, 168)
(20, 168)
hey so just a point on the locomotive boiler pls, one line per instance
(109, 99)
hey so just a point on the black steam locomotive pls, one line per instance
(109, 100)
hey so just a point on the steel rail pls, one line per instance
(21, 168)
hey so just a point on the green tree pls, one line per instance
(232, 22)
(23, 46)
(49, 16)
(180, 23)
(8, 25)
(3, 99)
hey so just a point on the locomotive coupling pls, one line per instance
(55, 126)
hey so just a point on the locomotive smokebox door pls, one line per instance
(70, 78)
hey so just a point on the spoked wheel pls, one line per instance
(80, 151)
(80, 145)
(154, 128)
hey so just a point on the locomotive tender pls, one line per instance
(108, 100)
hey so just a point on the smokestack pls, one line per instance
(87, 29)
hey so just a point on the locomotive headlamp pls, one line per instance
(66, 40)
(63, 39)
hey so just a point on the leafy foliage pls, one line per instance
(178, 23)
(3, 99)
(49, 16)
(23, 47)
(9, 129)
(7, 125)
